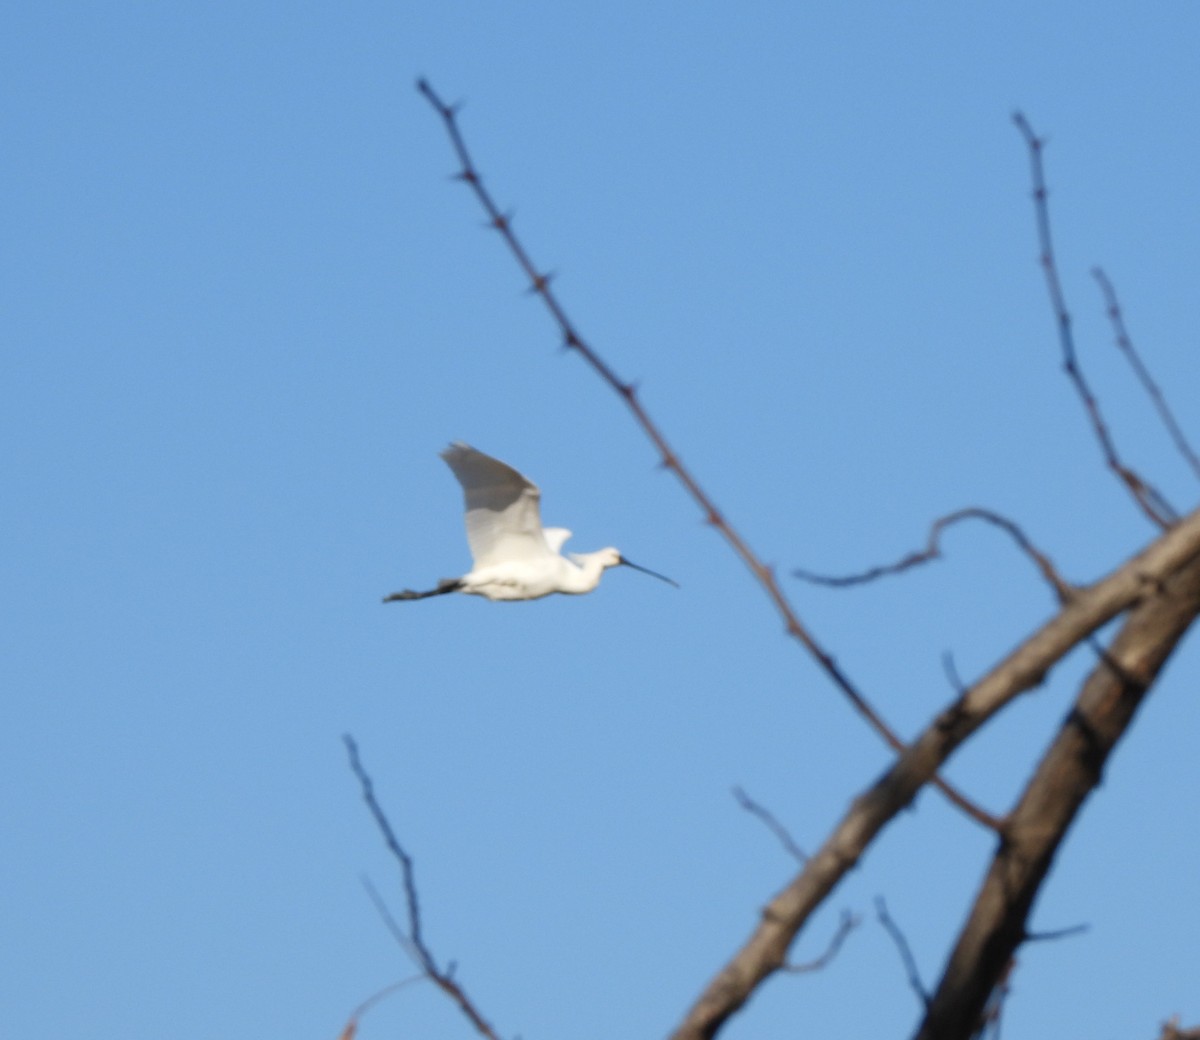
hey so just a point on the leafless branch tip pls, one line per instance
(1112, 306)
(409, 936)
(905, 951)
(776, 828)
(1147, 497)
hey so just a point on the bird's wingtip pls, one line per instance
(455, 448)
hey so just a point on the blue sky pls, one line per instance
(244, 308)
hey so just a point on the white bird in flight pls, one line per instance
(514, 556)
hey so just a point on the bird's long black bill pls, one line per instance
(647, 570)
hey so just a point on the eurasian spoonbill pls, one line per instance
(515, 557)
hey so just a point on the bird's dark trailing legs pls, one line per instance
(443, 586)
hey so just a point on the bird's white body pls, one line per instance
(515, 558)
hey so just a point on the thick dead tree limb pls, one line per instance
(410, 936)
(764, 574)
(1070, 770)
(765, 951)
(1147, 497)
(1113, 306)
(933, 551)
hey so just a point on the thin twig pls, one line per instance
(539, 284)
(776, 828)
(1058, 933)
(933, 550)
(356, 1015)
(1145, 495)
(952, 676)
(847, 924)
(905, 951)
(410, 937)
(1125, 343)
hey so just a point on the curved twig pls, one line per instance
(775, 827)
(933, 550)
(539, 284)
(847, 924)
(356, 1015)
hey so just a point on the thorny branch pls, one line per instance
(933, 551)
(1144, 494)
(1125, 343)
(410, 937)
(539, 284)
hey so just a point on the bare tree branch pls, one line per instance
(1056, 934)
(764, 952)
(933, 551)
(1069, 771)
(951, 671)
(905, 951)
(1125, 343)
(356, 1015)
(776, 828)
(539, 284)
(410, 938)
(1145, 495)
(847, 924)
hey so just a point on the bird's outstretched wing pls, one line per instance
(504, 523)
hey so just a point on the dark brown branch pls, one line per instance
(902, 947)
(539, 284)
(847, 924)
(1125, 343)
(933, 551)
(781, 921)
(1069, 771)
(410, 937)
(1145, 495)
(776, 828)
